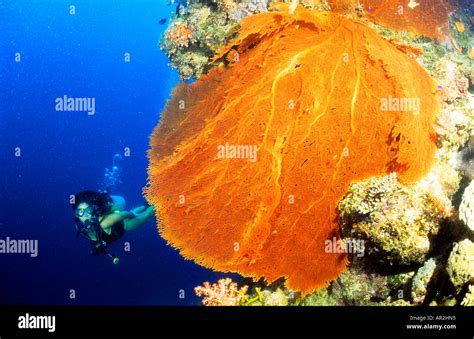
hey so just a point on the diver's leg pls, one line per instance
(119, 203)
(131, 224)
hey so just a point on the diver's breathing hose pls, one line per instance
(100, 245)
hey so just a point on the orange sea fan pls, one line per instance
(248, 163)
(429, 18)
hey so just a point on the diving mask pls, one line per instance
(85, 212)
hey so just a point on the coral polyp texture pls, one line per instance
(223, 293)
(249, 162)
(428, 18)
(395, 222)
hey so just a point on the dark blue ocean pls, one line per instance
(48, 155)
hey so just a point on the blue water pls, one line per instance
(62, 153)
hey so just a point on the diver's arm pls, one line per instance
(113, 218)
(141, 218)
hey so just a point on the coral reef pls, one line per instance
(194, 36)
(213, 22)
(399, 281)
(316, 5)
(276, 298)
(460, 265)
(226, 293)
(369, 196)
(440, 184)
(398, 302)
(355, 287)
(453, 84)
(460, 28)
(263, 213)
(428, 18)
(394, 220)
(412, 223)
(320, 297)
(469, 297)
(466, 209)
(421, 279)
(223, 293)
(452, 126)
(239, 10)
(180, 34)
(465, 162)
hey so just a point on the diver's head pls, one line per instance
(90, 204)
(85, 212)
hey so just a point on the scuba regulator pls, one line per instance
(92, 227)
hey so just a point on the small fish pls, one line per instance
(459, 26)
(162, 21)
(412, 4)
(171, 2)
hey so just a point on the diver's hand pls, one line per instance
(143, 212)
(138, 210)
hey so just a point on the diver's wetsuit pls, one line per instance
(118, 229)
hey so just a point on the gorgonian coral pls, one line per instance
(429, 18)
(248, 163)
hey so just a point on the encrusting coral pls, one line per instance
(428, 18)
(460, 265)
(320, 297)
(312, 104)
(464, 161)
(466, 209)
(453, 84)
(194, 36)
(213, 23)
(469, 297)
(277, 298)
(357, 288)
(395, 221)
(421, 280)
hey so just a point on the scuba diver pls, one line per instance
(102, 219)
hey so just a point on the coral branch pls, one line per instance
(224, 293)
